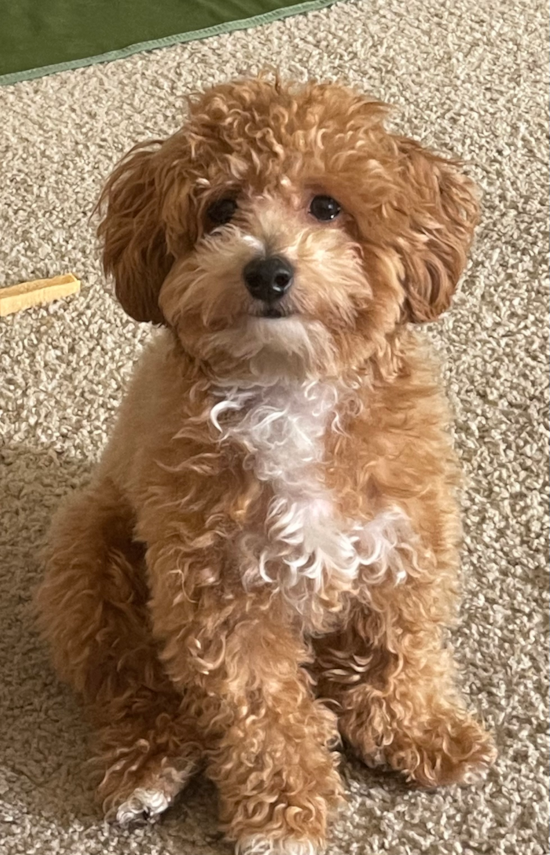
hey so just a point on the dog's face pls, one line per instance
(284, 229)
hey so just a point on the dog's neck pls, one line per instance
(269, 369)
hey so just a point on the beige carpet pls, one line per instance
(468, 77)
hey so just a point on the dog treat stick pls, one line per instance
(37, 292)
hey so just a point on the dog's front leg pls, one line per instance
(239, 664)
(393, 679)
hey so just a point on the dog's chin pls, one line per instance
(266, 349)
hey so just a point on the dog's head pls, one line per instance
(284, 226)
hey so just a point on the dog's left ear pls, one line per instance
(442, 208)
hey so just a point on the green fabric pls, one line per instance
(39, 37)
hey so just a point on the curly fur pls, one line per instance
(266, 558)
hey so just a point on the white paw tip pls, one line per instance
(142, 805)
(258, 845)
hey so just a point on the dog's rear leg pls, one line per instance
(92, 609)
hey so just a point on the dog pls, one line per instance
(266, 560)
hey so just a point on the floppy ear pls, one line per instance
(443, 209)
(134, 241)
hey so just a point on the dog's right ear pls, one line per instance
(133, 234)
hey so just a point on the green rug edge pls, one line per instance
(168, 41)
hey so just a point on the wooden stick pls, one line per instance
(35, 293)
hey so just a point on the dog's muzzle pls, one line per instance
(268, 279)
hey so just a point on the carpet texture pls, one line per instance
(467, 78)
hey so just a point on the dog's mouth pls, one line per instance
(274, 312)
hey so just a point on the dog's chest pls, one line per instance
(302, 544)
(281, 429)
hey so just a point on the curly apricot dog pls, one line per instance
(267, 554)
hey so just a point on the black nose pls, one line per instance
(268, 278)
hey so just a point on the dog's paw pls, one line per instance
(259, 845)
(449, 747)
(144, 805)
(456, 751)
(133, 793)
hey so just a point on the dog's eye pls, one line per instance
(221, 211)
(324, 208)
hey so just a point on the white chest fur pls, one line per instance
(303, 542)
